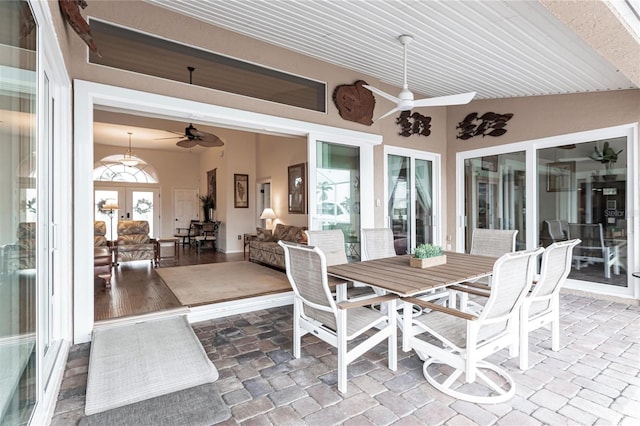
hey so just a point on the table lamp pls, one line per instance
(268, 214)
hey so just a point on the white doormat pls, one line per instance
(136, 362)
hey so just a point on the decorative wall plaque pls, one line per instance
(354, 102)
(413, 124)
(489, 124)
(71, 13)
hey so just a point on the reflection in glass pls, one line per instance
(338, 193)
(19, 213)
(589, 203)
(495, 195)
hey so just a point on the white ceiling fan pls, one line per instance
(405, 102)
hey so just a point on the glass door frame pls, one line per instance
(436, 192)
(630, 131)
(366, 175)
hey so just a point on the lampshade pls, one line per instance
(268, 213)
(110, 204)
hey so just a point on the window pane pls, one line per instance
(495, 195)
(19, 242)
(338, 193)
(582, 194)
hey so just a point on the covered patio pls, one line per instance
(593, 379)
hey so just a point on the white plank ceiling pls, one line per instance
(497, 48)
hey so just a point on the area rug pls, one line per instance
(136, 362)
(200, 405)
(220, 282)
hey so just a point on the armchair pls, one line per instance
(134, 242)
(99, 233)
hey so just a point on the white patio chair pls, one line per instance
(485, 242)
(462, 341)
(315, 311)
(493, 242)
(377, 243)
(331, 242)
(542, 304)
(593, 248)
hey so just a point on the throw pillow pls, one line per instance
(263, 234)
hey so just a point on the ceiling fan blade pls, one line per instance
(172, 137)
(210, 141)
(381, 93)
(463, 98)
(187, 143)
(388, 113)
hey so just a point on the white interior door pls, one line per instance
(185, 206)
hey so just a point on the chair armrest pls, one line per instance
(479, 286)
(440, 308)
(366, 302)
(471, 290)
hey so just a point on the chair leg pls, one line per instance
(555, 327)
(342, 349)
(393, 337)
(297, 336)
(524, 340)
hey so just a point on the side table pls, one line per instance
(247, 240)
(167, 248)
(102, 264)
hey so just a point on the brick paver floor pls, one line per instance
(593, 379)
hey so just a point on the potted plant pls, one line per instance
(426, 255)
(608, 156)
(208, 204)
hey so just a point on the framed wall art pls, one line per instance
(241, 191)
(297, 185)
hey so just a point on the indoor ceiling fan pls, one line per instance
(405, 102)
(193, 136)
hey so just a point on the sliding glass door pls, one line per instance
(566, 187)
(583, 193)
(495, 195)
(337, 193)
(22, 218)
(410, 198)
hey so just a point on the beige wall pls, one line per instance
(274, 155)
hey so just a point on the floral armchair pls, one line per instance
(134, 242)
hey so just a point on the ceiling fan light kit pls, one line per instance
(128, 159)
(405, 100)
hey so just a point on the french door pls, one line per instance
(412, 198)
(134, 203)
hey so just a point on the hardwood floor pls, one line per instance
(137, 289)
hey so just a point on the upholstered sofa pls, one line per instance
(134, 242)
(264, 247)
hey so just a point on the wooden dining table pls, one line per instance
(393, 274)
